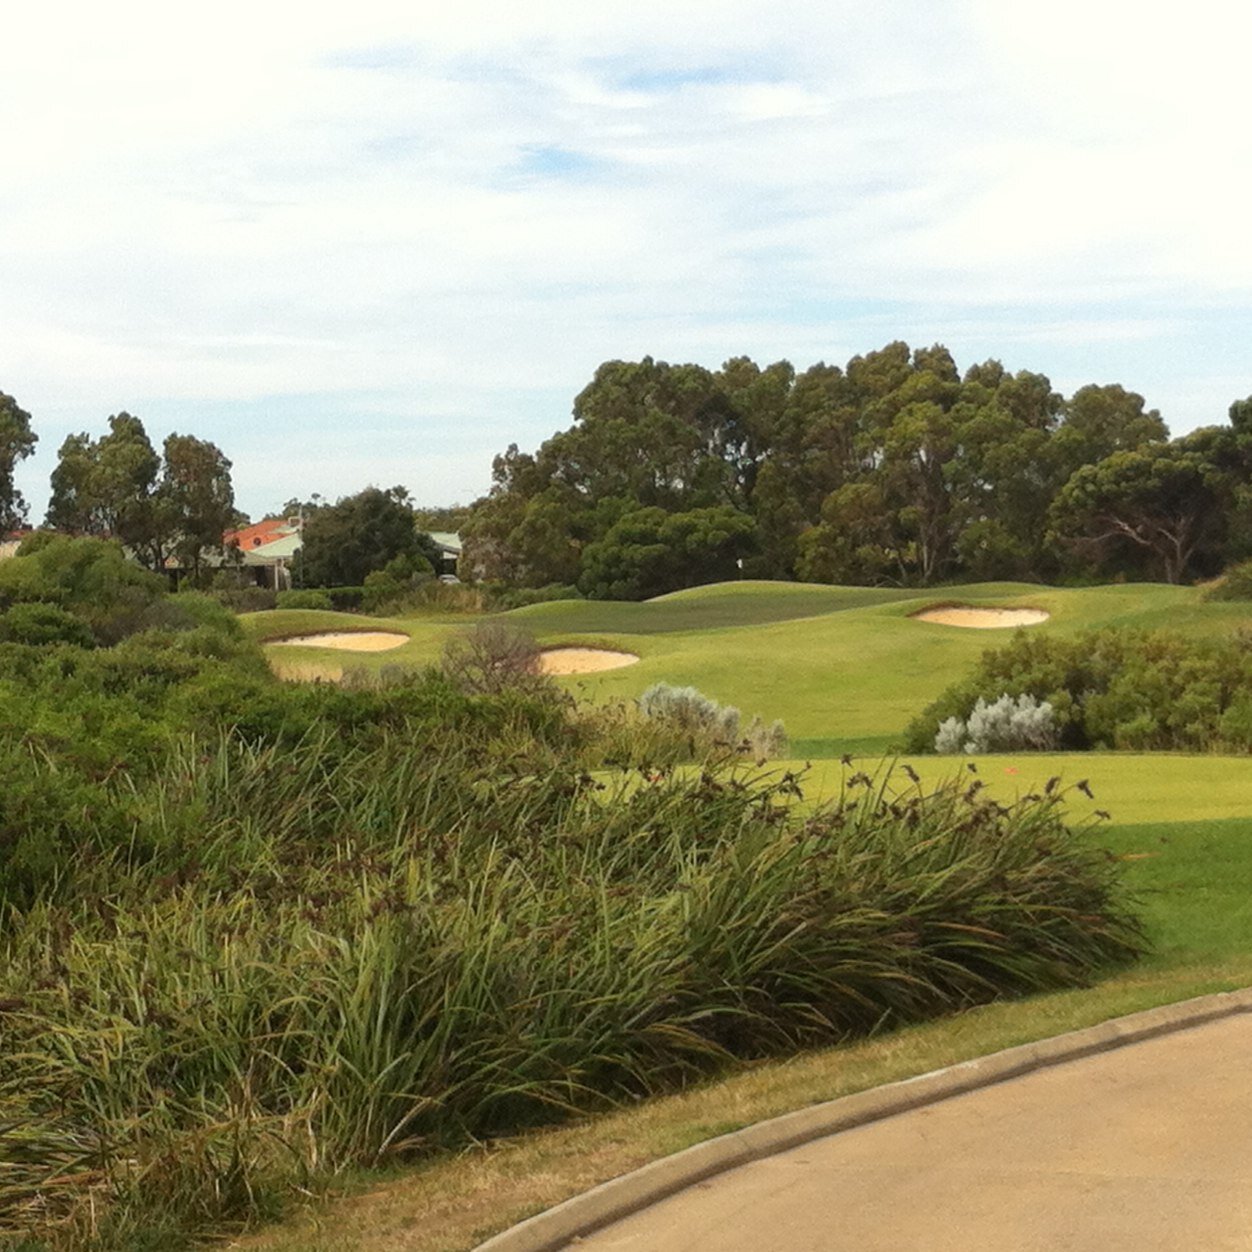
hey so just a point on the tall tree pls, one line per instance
(1155, 506)
(127, 470)
(360, 534)
(106, 487)
(195, 501)
(649, 552)
(119, 487)
(1101, 420)
(17, 441)
(72, 507)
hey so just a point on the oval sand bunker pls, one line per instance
(348, 641)
(982, 619)
(583, 660)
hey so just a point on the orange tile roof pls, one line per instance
(258, 534)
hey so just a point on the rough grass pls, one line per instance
(396, 952)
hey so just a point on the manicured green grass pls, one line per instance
(1134, 788)
(704, 608)
(426, 639)
(845, 668)
(1181, 825)
(853, 678)
(1191, 882)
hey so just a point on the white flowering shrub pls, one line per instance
(764, 742)
(1009, 724)
(691, 710)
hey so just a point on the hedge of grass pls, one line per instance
(318, 967)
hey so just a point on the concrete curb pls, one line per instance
(619, 1197)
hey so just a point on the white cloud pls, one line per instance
(457, 212)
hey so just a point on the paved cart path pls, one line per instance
(1147, 1147)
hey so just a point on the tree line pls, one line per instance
(172, 505)
(895, 469)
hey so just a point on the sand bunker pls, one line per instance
(982, 619)
(348, 640)
(583, 660)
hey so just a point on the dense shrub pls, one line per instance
(345, 599)
(505, 598)
(1113, 688)
(92, 579)
(1235, 584)
(392, 588)
(246, 599)
(305, 598)
(422, 594)
(37, 623)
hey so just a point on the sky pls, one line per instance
(377, 242)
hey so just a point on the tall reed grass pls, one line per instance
(315, 956)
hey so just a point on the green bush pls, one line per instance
(37, 623)
(345, 599)
(505, 598)
(90, 578)
(249, 599)
(1235, 584)
(1113, 688)
(309, 598)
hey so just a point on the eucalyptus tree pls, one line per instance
(17, 442)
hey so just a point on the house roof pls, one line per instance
(260, 533)
(448, 540)
(281, 549)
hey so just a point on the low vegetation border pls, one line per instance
(622, 1196)
(457, 1202)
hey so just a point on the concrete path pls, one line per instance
(1147, 1147)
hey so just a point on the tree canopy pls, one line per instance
(896, 468)
(359, 535)
(17, 441)
(177, 504)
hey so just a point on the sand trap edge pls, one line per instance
(345, 640)
(971, 617)
(571, 659)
